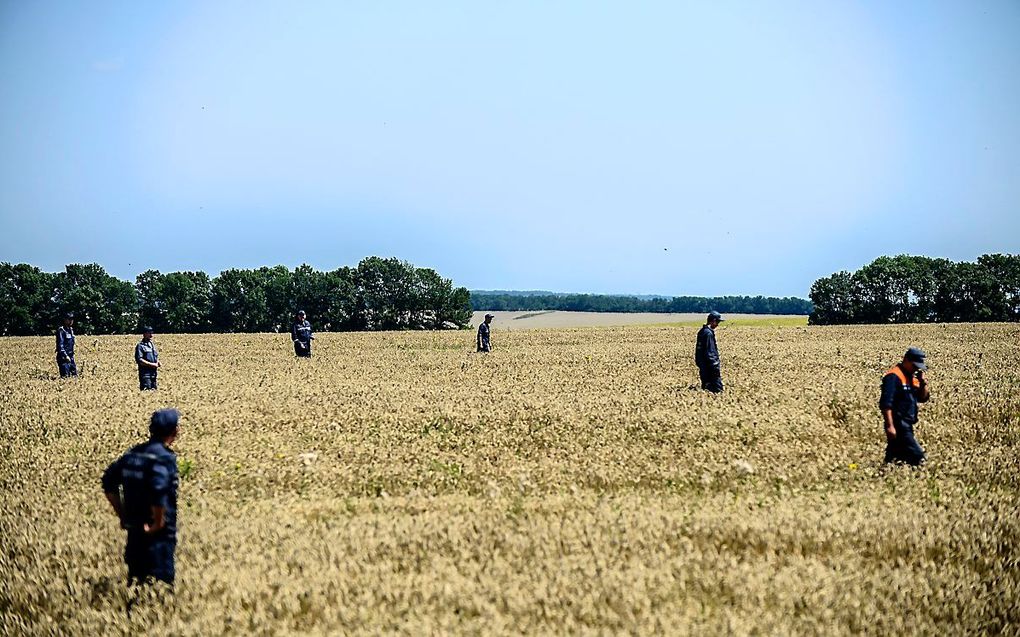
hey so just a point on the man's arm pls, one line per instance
(713, 353)
(890, 425)
(114, 500)
(111, 488)
(61, 346)
(161, 483)
(158, 520)
(889, 386)
(922, 391)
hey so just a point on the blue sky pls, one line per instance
(644, 147)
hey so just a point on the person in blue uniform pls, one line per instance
(141, 486)
(65, 348)
(903, 387)
(147, 358)
(482, 340)
(301, 334)
(706, 355)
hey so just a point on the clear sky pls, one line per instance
(645, 147)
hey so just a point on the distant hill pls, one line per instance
(535, 300)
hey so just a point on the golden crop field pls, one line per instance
(573, 481)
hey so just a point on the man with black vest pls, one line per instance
(141, 486)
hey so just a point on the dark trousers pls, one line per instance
(149, 558)
(67, 367)
(711, 379)
(303, 349)
(146, 379)
(904, 447)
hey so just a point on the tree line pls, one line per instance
(909, 289)
(618, 303)
(378, 294)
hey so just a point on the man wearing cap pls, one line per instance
(301, 334)
(706, 355)
(902, 388)
(483, 335)
(65, 348)
(141, 486)
(148, 360)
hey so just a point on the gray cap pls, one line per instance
(147, 329)
(916, 356)
(300, 312)
(163, 422)
(713, 315)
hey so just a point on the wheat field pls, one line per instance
(572, 481)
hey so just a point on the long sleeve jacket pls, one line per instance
(706, 354)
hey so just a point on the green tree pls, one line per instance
(26, 298)
(102, 304)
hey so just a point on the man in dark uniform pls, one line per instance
(141, 486)
(148, 360)
(706, 355)
(483, 335)
(903, 387)
(301, 333)
(65, 348)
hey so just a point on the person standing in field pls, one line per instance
(482, 339)
(65, 348)
(903, 387)
(706, 355)
(141, 486)
(301, 334)
(147, 359)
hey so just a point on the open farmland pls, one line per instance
(571, 481)
(557, 319)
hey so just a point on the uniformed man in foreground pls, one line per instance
(65, 348)
(141, 486)
(903, 387)
(706, 355)
(147, 359)
(301, 334)
(483, 334)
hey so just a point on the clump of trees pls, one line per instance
(909, 289)
(613, 303)
(378, 294)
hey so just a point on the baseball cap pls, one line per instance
(163, 422)
(713, 315)
(489, 316)
(916, 356)
(147, 328)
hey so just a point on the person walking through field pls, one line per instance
(141, 486)
(903, 387)
(301, 334)
(147, 358)
(482, 340)
(706, 355)
(65, 348)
